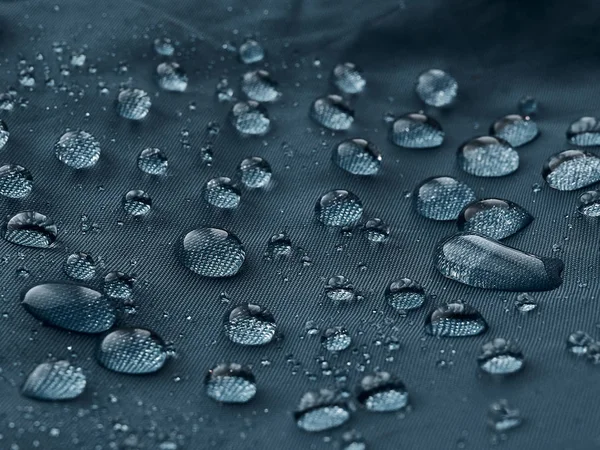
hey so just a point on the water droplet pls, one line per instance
(336, 339)
(340, 290)
(571, 170)
(416, 130)
(80, 266)
(376, 230)
(259, 86)
(153, 161)
(68, 306)
(436, 88)
(254, 172)
(348, 78)
(171, 77)
(502, 417)
(525, 302)
(579, 342)
(382, 392)
(250, 118)
(132, 350)
(77, 149)
(494, 218)
(500, 357)
(212, 252)
(133, 104)
(15, 181)
(222, 193)
(230, 383)
(4, 134)
(54, 381)
(487, 156)
(405, 294)
(478, 261)
(250, 324)
(320, 411)
(584, 131)
(339, 208)
(251, 52)
(118, 285)
(164, 46)
(455, 319)
(528, 106)
(442, 198)
(332, 112)
(223, 91)
(30, 229)
(589, 203)
(279, 246)
(357, 156)
(515, 129)
(137, 203)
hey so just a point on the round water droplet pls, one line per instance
(442, 198)
(133, 104)
(357, 156)
(382, 392)
(339, 208)
(230, 383)
(153, 161)
(487, 156)
(321, 411)
(72, 307)
(15, 181)
(212, 252)
(54, 381)
(525, 303)
(589, 204)
(494, 218)
(171, 77)
(405, 294)
(336, 339)
(164, 46)
(250, 324)
(455, 320)
(250, 118)
(254, 172)
(436, 88)
(571, 170)
(251, 52)
(376, 230)
(259, 86)
(30, 229)
(579, 343)
(502, 417)
(80, 266)
(4, 134)
(222, 193)
(340, 290)
(77, 149)
(584, 131)
(279, 246)
(137, 203)
(528, 106)
(348, 78)
(118, 285)
(416, 130)
(500, 357)
(132, 350)
(332, 112)
(515, 129)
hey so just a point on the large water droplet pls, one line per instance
(589, 204)
(478, 261)
(336, 339)
(339, 208)
(132, 350)
(230, 383)
(164, 46)
(72, 307)
(405, 294)
(80, 266)
(382, 392)
(153, 161)
(4, 134)
(171, 77)
(77, 149)
(348, 78)
(222, 193)
(455, 319)
(250, 118)
(515, 129)
(357, 156)
(320, 411)
(442, 198)
(30, 229)
(340, 290)
(118, 285)
(137, 203)
(500, 357)
(487, 156)
(376, 230)
(251, 52)
(259, 86)
(436, 88)
(250, 324)
(332, 112)
(212, 252)
(494, 218)
(584, 131)
(502, 417)
(254, 172)
(279, 246)
(133, 104)
(54, 381)
(416, 130)
(571, 170)
(15, 181)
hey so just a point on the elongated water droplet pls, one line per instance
(455, 319)
(279, 246)
(118, 285)
(478, 261)
(251, 52)
(250, 324)
(153, 161)
(132, 350)
(133, 104)
(212, 252)
(487, 156)
(250, 118)
(502, 417)
(416, 130)
(320, 411)
(137, 203)
(589, 204)
(54, 381)
(332, 112)
(77, 149)
(340, 290)
(405, 294)
(584, 131)
(72, 307)
(222, 193)
(348, 78)
(30, 229)
(436, 88)
(254, 172)
(376, 230)
(230, 383)
(382, 392)
(500, 357)
(357, 156)
(494, 218)
(339, 208)
(171, 77)
(571, 169)
(4, 134)
(336, 339)
(442, 198)
(164, 46)
(15, 181)
(259, 86)
(80, 266)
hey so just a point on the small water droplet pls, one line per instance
(254, 172)
(250, 324)
(137, 203)
(336, 339)
(584, 131)
(332, 112)
(80, 266)
(589, 203)
(357, 156)
(515, 129)
(132, 350)
(30, 229)
(223, 91)
(382, 392)
(321, 411)
(442, 198)
(15, 181)
(436, 88)
(259, 86)
(502, 417)
(455, 319)
(251, 52)
(54, 381)
(230, 383)
(571, 170)
(250, 118)
(153, 161)
(4, 133)
(118, 285)
(171, 77)
(164, 46)
(279, 246)
(77, 149)
(493, 217)
(339, 208)
(487, 156)
(405, 295)
(340, 290)
(376, 230)
(416, 130)
(500, 357)
(222, 193)
(528, 106)
(579, 343)
(348, 78)
(133, 104)
(525, 302)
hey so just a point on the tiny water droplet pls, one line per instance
(30, 229)
(250, 324)
(357, 156)
(259, 86)
(579, 343)
(336, 339)
(500, 357)
(528, 106)
(164, 46)
(442, 198)
(348, 78)
(584, 131)
(455, 319)
(171, 77)
(132, 351)
(487, 156)
(80, 266)
(222, 193)
(340, 290)
(405, 295)
(332, 112)
(251, 52)
(589, 203)
(515, 129)
(254, 172)
(416, 130)
(339, 208)
(525, 303)
(502, 417)
(118, 285)
(250, 118)
(493, 217)
(54, 381)
(321, 411)
(279, 246)
(15, 181)
(133, 104)
(153, 161)
(376, 230)
(571, 170)
(4, 133)
(382, 392)
(77, 149)
(230, 383)
(137, 203)
(436, 88)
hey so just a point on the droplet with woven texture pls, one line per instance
(339, 208)
(71, 307)
(222, 193)
(515, 129)
(30, 229)
(132, 351)
(118, 285)
(436, 88)
(80, 266)
(405, 295)
(321, 410)
(250, 324)
(336, 339)
(251, 52)
(382, 392)
(54, 381)
(584, 131)
(15, 181)
(500, 357)
(589, 204)
(340, 290)
(455, 319)
(259, 86)
(211, 252)
(254, 172)
(442, 198)
(230, 383)
(571, 170)
(164, 46)
(348, 78)
(171, 77)
(250, 118)
(137, 203)
(152, 161)
(487, 156)
(502, 417)
(417, 130)
(493, 217)
(133, 104)
(4, 134)
(376, 230)
(279, 246)
(357, 156)
(77, 149)
(525, 303)
(332, 113)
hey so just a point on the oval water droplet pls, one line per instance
(348, 78)
(478, 261)
(254, 172)
(4, 134)
(515, 129)
(171, 77)
(137, 203)
(442, 198)
(376, 230)
(340, 290)
(15, 181)
(339, 208)
(259, 86)
(164, 46)
(80, 266)
(132, 351)
(357, 156)
(251, 52)
(571, 170)
(133, 104)
(222, 193)
(118, 285)
(321, 411)
(336, 339)
(30, 229)
(279, 246)
(250, 324)
(455, 319)
(416, 130)
(332, 112)
(153, 161)
(487, 156)
(500, 357)
(525, 303)
(502, 417)
(382, 392)
(77, 149)
(405, 294)
(54, 381)
(250, 118)
(589, 204)
(584, 131)
(212, 252)
(493, 217)
(72, 307)
(230, 383)
(436, 88)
